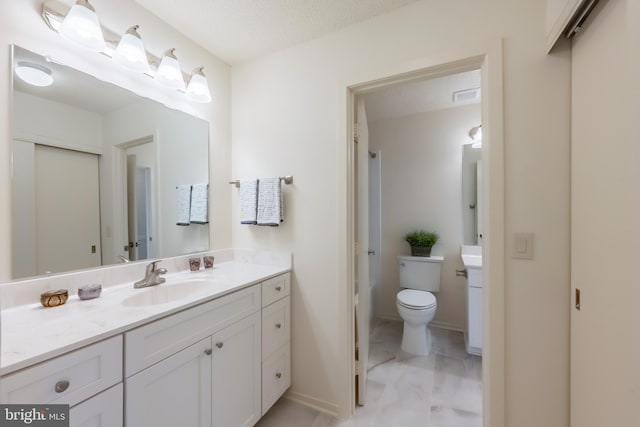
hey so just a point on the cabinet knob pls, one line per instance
(278, 325)
(278, 375)
(219, 344)
(278, 288)
(61, 386)
(208, 351)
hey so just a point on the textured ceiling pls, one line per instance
(418, 97)
(240, 30)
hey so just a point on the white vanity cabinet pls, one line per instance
(88, 379)
(276, 339)
(475, 303)
(197, 368)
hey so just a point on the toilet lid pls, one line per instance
(412, 298)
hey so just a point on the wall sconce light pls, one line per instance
(198, 89)
(169, 72)
(476, 136)
(130, 52)
(81, 26)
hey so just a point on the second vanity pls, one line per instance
(203, 349)
(472, 260)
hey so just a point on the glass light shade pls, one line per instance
(81, 26)
(476, 136)
(169, 72)
(34, 74)
(130, 52)
(198, 88)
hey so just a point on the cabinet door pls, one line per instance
(103, 410)
(236, 374)
(173, 392)
(475, 320)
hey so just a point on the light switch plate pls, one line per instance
(522, 247)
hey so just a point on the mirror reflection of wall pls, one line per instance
(75, 203)
(470, 198)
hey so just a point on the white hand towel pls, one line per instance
(248, 201)
(269, 202)
(200, 204)
(183, 204)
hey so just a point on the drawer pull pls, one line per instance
(278, 325)
(208, 351)
(61, 386)
(219, 344)
(278, 288)
(278, 375)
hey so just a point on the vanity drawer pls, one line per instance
(156, 341)
(276, 329)
(275, 288)
(276, 376)
(67, 379)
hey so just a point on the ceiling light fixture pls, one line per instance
(198, 89)
(169, 72)
(130, 51)
(34, 74)
(81, 26)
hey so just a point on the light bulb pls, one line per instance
(198, 88)
(169, 72)
(131, 53)
(81, 26)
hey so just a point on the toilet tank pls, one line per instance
(421, 273)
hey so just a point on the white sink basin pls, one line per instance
(166, 293)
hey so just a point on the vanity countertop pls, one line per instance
(32, 333)
(471, 256)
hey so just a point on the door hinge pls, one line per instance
(577, 299)
(356, 367)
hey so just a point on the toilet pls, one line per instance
(419, 276)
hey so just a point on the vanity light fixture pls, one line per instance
(476, 136)
(198, 89)
(130, 51)
(81, 26)
(169, 72)
(34, 74)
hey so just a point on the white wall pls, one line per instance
(422, 189)
(285, 121)
(20, 23)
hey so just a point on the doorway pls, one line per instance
(493, 304)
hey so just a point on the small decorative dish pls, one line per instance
(54, 298)
(89, 291)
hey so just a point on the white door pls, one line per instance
(138, 209)
(605, 219)
(362, 254)
(173, 392)
(236, 374)
(67, 209)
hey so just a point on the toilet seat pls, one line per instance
(416, 300)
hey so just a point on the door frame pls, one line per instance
(486, 56)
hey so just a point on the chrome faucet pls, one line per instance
(151, 276)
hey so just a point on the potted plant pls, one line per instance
(421, 242)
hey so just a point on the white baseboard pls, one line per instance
(445, 325)
(393, 317)
(313, 403)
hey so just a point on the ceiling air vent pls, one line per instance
(466, 96)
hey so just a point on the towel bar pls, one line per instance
(286, 179)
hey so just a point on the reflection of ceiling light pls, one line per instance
(169, 72)
(130, 51)
(198, 89)
(34, 74)
(476, 136)
(82, 27)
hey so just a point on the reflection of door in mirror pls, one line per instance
(140, 160)
(56, 192)
(471, 206)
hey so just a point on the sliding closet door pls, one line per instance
(605, 212)
(67, 210)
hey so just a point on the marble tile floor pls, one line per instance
(442, 389)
